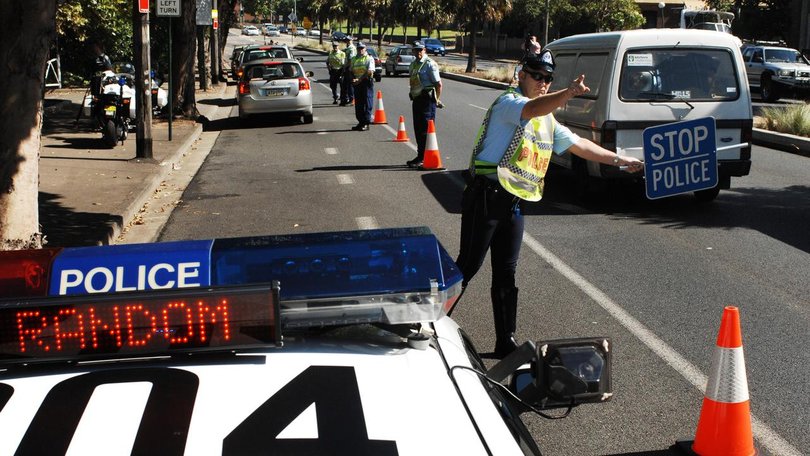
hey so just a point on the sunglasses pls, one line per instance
(547, 78)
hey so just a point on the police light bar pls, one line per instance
(392, 276)
(92, 327)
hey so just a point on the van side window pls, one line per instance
(593, 67)
(563, 73)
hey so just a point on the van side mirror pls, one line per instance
(559, 373)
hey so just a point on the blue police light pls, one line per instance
(399, 275)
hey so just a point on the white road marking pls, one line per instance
(762, 432)
(479, 107)
(331, 151)
(367, 223)
(394, 135)
(344, 179)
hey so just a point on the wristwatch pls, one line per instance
(616, 160)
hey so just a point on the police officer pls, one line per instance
(425, 92)
(346, 89)
(363, 84)
(335, 61)
(507, 167)
(100, 64)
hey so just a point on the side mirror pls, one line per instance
(562, 373)
(310, 74)
(300, 59)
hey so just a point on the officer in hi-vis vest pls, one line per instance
(335, 61)
(425, 90)
(507, 167)
(363, 85)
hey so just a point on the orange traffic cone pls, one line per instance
(379, 114)
(402, 135)
(433, 159)
(724, 427)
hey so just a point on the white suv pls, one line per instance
(776, 70)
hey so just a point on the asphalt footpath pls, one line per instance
(92, 195)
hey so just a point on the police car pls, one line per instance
(330, 343)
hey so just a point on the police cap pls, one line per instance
(537, 62)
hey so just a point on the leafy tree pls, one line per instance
(81, 23)
(27, 30)
(610, 15)
(184, 48)
(475, 12)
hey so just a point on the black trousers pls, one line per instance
(364, 101)
(491, 219)
(423, 109)
(335, 79)
(346, 88)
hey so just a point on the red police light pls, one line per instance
(25, 273)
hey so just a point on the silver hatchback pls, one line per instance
(399, 60)
(275, 86)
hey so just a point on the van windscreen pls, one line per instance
(657, 74)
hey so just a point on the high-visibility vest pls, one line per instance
(360, 65)
(336, 60)
(523, 166)
(415, 81)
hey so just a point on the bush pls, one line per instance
(794, 119)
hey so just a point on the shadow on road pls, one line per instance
(63, 227)
(782, 214)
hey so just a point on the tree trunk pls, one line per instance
(184, 48)
(227, 18)
(27, 30)
(471, 66)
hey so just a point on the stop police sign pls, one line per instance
(680, 157)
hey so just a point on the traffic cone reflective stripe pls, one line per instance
(433, 159)
(724, 427)
(379, 114)
(402, 135)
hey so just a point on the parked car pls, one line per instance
(271, 30)
(776, 70)
(339, 36)
(377, 64)
(434, 46)
(275, 86)
(250, 30)
(314, 32)
(299, 32)
(283, 29)
(399, 60)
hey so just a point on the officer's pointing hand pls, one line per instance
(578, 87)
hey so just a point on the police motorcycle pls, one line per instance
(113, 107)
(356, 322)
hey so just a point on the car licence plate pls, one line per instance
(272, 92)
(109, 111)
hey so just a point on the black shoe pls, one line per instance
(415, 163)
(334, 101)
(364, 127)
(343, 103)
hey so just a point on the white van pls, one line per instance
(644, 78)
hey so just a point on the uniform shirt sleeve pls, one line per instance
(563, 138)
(504, 120)
(433, 73)
(371, 66)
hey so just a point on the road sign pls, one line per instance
(170, 8)
(680, 157)
(307, 23)
(143, 6)
(293, 17)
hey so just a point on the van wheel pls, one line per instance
(708, 195)
(768, 89)
(307, 118)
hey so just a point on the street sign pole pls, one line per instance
(169, 9)
(143, 83)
